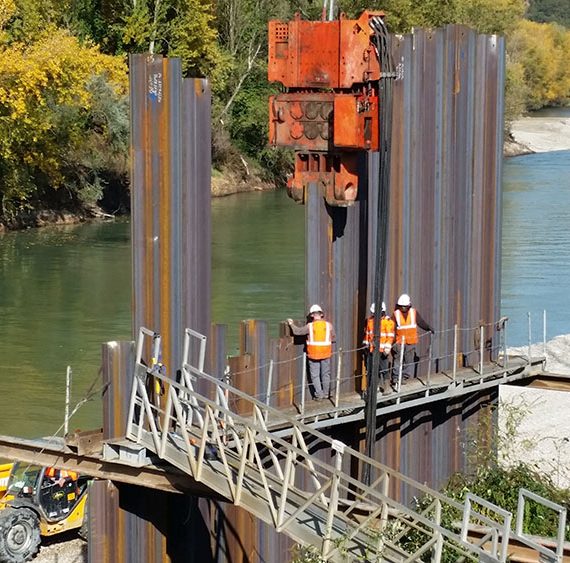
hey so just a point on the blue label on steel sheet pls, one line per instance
(155, 87)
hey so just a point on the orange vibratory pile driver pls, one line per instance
(329, 111)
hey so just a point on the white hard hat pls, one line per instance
(373, 308)
(315, 309)
(383, 306)
(404, 300)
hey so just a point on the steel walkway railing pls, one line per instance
(219, 436)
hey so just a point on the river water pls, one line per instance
(64, 290)
(536, 244)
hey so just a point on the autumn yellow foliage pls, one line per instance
(7, 10)
(538, 54)
(45, 96)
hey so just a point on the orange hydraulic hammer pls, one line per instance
(329, 110)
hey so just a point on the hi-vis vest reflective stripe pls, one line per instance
(387, 326)
(406, 326)
(319, 343)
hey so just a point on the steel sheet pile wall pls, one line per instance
(445, 210)
(171, 238)
(445, 227)
(335, 268)
(171, 232)
(117, 536)
(431, 444)
(444, 231)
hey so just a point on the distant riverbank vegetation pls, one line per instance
(63, 82)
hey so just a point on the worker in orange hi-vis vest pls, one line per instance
(318, 346)
(407, 321)
(386, 340)
(60, 476)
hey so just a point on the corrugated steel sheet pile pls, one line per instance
(443, 249)
(171, 240)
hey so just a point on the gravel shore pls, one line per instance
(534, 420)
(541, 134)
(557, 354)
(66, 548)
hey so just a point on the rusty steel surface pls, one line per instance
(322, 54)
(301, 120)
(154, 526)
(117, 369)
(444, 228)
(443, 249)
(330, 109)
(171, 241)
(445, 213)
(170, 177)
(445, 210)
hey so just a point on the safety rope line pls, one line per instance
(337, 381)
(342, 352)
(89, 395)
(421, 337)
(290, 361)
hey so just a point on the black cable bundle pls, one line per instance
(387, 75)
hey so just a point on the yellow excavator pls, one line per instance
(38, 502)
(5, 469)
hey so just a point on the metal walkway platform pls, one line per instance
(417, 392)
(277, 478)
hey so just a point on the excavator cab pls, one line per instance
(39, 501)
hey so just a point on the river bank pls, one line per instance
(223, 184)
(533, 134)
(229, 182)
(536, 134)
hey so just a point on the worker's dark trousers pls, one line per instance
(383, 367)
(408, 364)
(320, 375)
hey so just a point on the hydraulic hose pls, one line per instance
(385, 83)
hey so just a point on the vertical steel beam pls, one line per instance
(171, 233)
(117, 369)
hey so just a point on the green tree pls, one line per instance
(181, 28)
(486, 16)
(549, 11)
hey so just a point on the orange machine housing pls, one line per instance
(329, 111)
